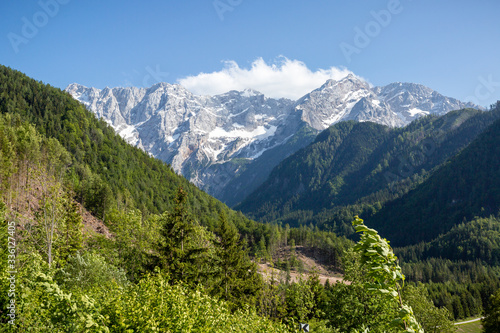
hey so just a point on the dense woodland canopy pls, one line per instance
(355, 168)
(431, 187)
(468, 185)
(164, 256)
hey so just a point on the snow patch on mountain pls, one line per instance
(200, 135)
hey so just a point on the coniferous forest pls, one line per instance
(98, 236)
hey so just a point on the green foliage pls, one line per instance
(383, 274)
(479, 238)
(491, 321)
(271, 300)
(71, 230)
(451, 269)
(355, 168)
(302, 300)
(177, 253)
(58, 228)
(133, 241)
(88, 272)
(299, 301)
(153, 305)
(66, 312)
(293, 302)
(95, 194)
(432, 319)
(43, 306)
(352, 308)
(465, 187)
(382, 270)
(236, 279)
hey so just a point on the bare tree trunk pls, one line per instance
(225, 284)
(52, 225)
(47, 232)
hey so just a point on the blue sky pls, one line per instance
(451, 46)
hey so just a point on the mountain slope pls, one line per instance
(105, 171)
(304, 179)
(352, 163)
(466, 186)
(479, 238)
(220, 142)
(347, 99)
(197, 135)
(255, 172)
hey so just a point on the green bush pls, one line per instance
(90, 271)
(153, 305)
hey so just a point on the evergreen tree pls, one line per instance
(491, 321)
(238, 281)
(262, 250)
(176, 253)
(71, 230)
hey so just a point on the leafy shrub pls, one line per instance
(90, 270)
(153, 305)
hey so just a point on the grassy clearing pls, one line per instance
(474, 327)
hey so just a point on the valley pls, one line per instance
(80, 194)
(228, 144)
(249, 166)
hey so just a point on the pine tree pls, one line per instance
(238, 281)
(491, 321)
(71, 230)
(262, 250)
(176, 253)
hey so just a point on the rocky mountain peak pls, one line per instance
(202, 137)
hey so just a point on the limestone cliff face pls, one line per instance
(211, 140)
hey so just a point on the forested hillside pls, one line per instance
(64, 277)
(160, 255)
(422, 184)
(167, 242)
(467, 185)
(355, 168)
(105, 171)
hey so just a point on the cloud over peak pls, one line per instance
(289, 78)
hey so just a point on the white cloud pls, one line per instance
(290, 79)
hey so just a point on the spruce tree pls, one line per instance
(237, 281)
(491, 320)
(71, 230)
(176, 253)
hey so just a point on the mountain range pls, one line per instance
(420, 185)
(372, 170)
(466, 186)
(228, 144)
